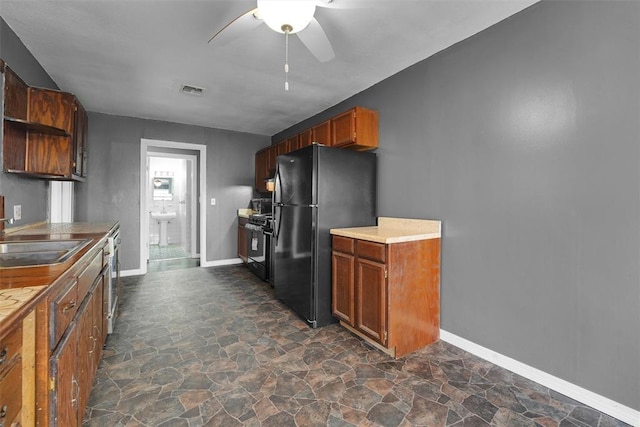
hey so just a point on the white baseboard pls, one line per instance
(589, 398)
(220, 262)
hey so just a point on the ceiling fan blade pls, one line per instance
(234, 29)
(315, 39)
(343, 4)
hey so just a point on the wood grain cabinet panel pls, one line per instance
(356, 129)
(261, 170)
(243, 249)
(305, 138)
(392, 297)
(321, 133)
(45, 131)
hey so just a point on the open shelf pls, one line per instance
(37, 127)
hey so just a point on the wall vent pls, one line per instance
(191, 90)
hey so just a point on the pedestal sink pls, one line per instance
(163, 219)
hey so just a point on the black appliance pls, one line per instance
(258, 232)
(317, 188)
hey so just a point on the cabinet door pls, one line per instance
(282, 148)
(305, 138)
(294, 143)
(242, 242)
(271, 159)
(343, 129)
(80, 141)
(62, 375)
(322, 133)
(261, 170)
(371, 299)
(86, 347)
(343, 286)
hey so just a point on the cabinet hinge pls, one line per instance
(386, 273)
(52, 383)
(385, 336)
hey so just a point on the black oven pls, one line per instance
(258, 231)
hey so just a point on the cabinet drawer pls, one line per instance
(11, 394)
(371, 250)
(88, 276)
(63, 308)
(343, 244)
(10, 347)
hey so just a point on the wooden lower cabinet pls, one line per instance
(17, 374)
(74, 358)
(243, 250)
(389, 294)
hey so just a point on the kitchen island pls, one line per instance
(52, 320)
(386, 283)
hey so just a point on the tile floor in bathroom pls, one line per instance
(213, 347)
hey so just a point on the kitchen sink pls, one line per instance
(38, 252)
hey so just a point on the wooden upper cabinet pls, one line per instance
(356, 129)
(294, 143)
(321, 133)
(261, 170)
(271, 159)
(52, 108)
(282, 148)
(44, 133)
(305, 138)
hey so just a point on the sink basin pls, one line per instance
(160, 216)
(38, 252)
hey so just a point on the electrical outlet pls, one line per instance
(213, 202)
(17, 212)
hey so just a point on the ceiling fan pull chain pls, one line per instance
(286, 59)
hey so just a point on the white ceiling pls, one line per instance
(130, 57)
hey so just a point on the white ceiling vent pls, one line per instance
(191, 90)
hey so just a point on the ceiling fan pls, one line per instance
(285, 17)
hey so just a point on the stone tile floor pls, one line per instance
(213, 347)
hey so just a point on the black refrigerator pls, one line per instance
(317, 188)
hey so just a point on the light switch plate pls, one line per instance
(17, 212)
(213, 202)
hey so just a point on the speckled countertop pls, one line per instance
(11, 300)
(393, 230)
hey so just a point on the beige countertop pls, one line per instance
(62, 229)
(393, 230)
(244, 213)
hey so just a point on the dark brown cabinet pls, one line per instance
(75, 357)
(261, 170)
(44, 132)
(243, 249)
(388, 293)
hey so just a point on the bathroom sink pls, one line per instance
(38, 252)
(159, 216)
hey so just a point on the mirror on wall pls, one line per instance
(162, 188)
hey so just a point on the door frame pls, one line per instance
(145, 143)
(194, 201)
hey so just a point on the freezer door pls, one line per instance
(294, 180)
(294, 276)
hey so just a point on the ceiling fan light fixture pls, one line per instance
(282, 15)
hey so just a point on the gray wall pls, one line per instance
(524, 141)
(31, 194)
(112, 190)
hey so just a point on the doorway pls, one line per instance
(172, 180)
(172, 206)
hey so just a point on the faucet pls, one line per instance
(2, 221)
